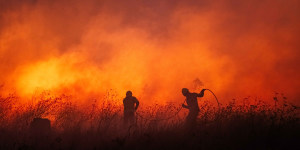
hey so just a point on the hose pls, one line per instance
(215, 97)
(169, 117)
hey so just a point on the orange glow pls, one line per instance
(152, 48)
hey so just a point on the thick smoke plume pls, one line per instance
(154, 48)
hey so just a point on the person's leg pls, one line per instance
(188, 120)
(194, 116)
(126, 118)
(191, 120)
(131, 118)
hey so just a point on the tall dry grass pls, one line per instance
(252, 123)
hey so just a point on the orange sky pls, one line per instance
(235, 48)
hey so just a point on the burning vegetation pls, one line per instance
(99, 125)
(64, 67)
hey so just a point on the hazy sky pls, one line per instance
(154, 48)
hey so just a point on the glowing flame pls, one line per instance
(88, 48)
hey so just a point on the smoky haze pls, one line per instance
(154, 48)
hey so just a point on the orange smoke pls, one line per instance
(155, 48)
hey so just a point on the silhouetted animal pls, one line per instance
(130, 106)
(40, 133)
(40, 126)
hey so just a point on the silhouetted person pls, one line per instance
(192, 105)
(130, 106)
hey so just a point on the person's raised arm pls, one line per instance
(201, 94)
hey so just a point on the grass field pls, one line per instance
(249, 124)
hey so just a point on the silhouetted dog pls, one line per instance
(40, 133)
(40, 127)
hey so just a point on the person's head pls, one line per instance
(185, 91)
(128, 94)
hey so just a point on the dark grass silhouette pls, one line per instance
(255, 125)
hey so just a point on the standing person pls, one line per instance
(192, 105)
(130, 106)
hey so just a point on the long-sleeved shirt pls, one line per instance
(130, 103)
(191, 100)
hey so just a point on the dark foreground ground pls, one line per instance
(234, 126)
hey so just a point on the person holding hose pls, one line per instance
(192, 106)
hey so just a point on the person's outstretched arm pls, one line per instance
(201, 94)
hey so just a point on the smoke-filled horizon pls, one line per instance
(154, 48)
